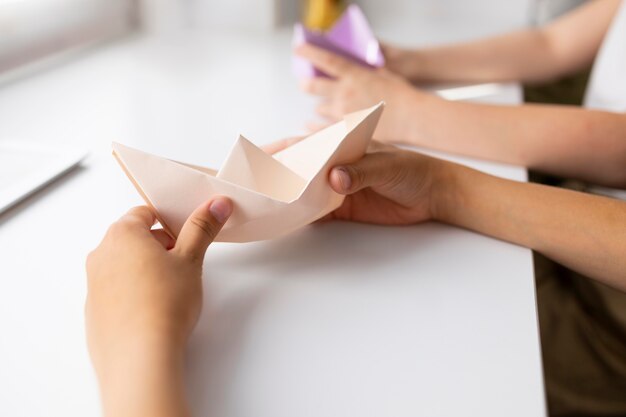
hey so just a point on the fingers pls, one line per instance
(373, 170)
(202, 227)
(279, 145)
(143, 216)
(332, 64)
(319, 86)
(163, 238)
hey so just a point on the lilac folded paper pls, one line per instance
(350, 37)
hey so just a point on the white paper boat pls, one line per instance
(272, 195)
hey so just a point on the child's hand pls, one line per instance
(403, 62)
(388, 186)
(354, 87)
(144, 298)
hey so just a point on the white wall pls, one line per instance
(32, 29)
(236, 15)
(403, 15)
(420, 21)
(241, 15)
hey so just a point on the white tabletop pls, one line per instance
(334, 320)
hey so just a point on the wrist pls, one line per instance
(448, 191)
(462, 196)
(415, 63)
(142, 377)
(406, 63)
(410, 120)
(442, 189)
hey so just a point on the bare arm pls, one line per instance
(533, 55)
(144, 298)
(583, 232)
(566, 141)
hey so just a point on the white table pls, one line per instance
(334, 320)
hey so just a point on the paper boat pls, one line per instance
(350, 37)
(272, 195)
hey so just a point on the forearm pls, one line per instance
(143, 380)
(583, 232)
(518, 56)
(144, 297)
(534, 55)
(565, 141)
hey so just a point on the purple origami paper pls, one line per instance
(350, 37)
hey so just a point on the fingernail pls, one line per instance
(344, 178)
(221, 209)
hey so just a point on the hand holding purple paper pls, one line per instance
(350, 37)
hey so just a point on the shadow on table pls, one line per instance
(322, 252)
(331, 246)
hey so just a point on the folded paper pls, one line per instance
(272, 194)
(350, 37)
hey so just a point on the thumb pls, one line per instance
(202, 227)
(373, 170)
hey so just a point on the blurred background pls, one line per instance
(33, 31)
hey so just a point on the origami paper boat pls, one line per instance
(350, 37)
(272, 195)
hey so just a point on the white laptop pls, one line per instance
(27, 167)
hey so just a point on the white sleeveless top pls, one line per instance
(607, 86)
